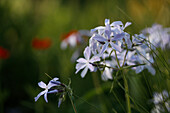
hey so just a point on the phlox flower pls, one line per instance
(159, 99)
(111, 35)
(158, 36)
(141, 54)
(94, 46)
(86, 62)
(47, 88)
(146, 59)
(107, 36)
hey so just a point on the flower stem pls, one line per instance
(74, 108)
(117, 59)
(127, 94)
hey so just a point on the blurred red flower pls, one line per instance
(67, 35)
(41, 44)
(4, 53)
(72, 38)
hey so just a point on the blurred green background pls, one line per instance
(23, 20)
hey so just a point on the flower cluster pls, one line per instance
(161, 102)
(112, 48)
(54, 86)
(158, 36)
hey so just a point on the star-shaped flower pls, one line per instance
(47, 87)
(87, 62)
(108, 36)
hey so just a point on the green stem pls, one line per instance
(117, 59)
(125, 57)
(74, 108)
(101, 97)
(127, 94)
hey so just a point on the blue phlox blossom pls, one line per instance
(158, 36)
(120, 25)
(47, 88)
(107, 41)
(111, 34)
(147, 60)
(95, 46)
(138, 39)
(86, 62)
(159, 99)
(106, 35)
(131, 58)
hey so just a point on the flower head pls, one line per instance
(86, 62)
(160, 100)
(111, 35)
(47, 87)
(158, 36)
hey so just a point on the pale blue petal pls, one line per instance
(107, 74)
(42, 84)
(108, 31)
(139, 69)
(118, 37)
(104, 47)
(94, 59)
(87, 53)
(83, 73)
(53, 91)
(131, 54)
(91, 67)
(127, 24)
(116, 23)
(116, 47)
(82, 60)
(55, 79)
(107, 21)
(38, 96)
(151, 69)
(45, 97)
(59, 102)
(99, 38)
(50, 85)
(97, 28)
(128, 42)
(130, 63)
(79, 67)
